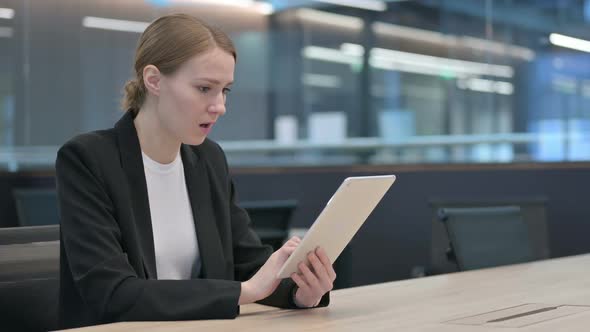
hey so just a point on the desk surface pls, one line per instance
(426, 304)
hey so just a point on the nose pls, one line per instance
(218, 105)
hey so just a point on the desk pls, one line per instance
(426, 304)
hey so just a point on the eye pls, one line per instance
(204, 89)
(226, 91)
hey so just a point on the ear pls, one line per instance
(151, 79)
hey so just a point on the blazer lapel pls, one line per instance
(198, 187)
(132, 164)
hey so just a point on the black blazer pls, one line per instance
(107, 267)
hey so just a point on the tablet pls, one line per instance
(342, 217)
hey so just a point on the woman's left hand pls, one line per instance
(316, 281)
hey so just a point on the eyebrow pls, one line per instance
(214, 81)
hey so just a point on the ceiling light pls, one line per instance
(6, 13)
(570, 42)
(375, 5)
(114, 24)
(321, 17)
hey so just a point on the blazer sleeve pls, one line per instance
(101, 272)
(250, 254)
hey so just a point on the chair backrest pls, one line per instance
(36, 207)
(20, 235)
(533, 212)
(271, 219)
(36, 260)
(29, 286)
(487, 236)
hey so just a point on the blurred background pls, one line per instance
(320, 82)
(480, 107)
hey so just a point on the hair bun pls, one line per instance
(134, 95)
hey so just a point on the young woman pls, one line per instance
(150, 229)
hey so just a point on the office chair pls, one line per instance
(37, 260)
(29, 285)
(482, 237)
(29, 305)
(271, 219)
(36, 207)
(28, 234)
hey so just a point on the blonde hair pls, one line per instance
(167, 43)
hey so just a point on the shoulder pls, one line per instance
(99, 139)
(89, 148)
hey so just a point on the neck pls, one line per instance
(155, 141)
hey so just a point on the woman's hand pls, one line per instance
(314, 282)
(265, 281)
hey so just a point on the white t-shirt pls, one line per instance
(175, 238)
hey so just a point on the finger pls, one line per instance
(288, 250)
(320, 271)
(290, 244)
(310, 278)
(323, 256)
(300, 282)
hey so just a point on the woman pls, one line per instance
(150, 229)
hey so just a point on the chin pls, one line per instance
(195, 140)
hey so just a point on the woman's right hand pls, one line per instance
(265, 281)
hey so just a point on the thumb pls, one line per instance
(285, 252)
(289, 250)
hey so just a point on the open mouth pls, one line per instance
(206, 125)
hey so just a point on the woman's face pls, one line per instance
(192, 99)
